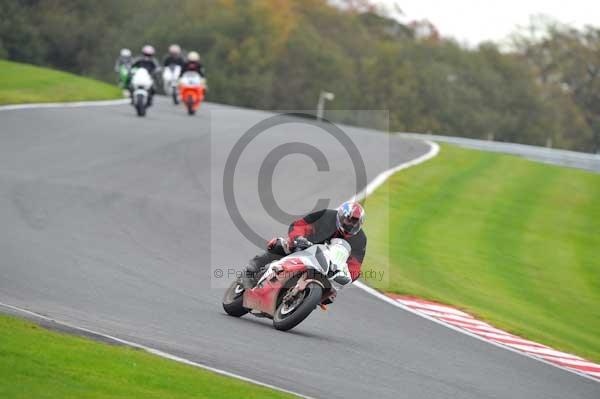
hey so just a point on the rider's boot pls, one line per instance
(256, 267)
(250, 277)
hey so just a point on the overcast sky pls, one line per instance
(474, 21)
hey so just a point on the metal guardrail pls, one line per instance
(573, 159)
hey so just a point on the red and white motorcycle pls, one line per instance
(292, 287)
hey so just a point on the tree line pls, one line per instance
(279, 54)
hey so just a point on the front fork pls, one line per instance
(301, 286)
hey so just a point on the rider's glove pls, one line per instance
(279, 242)
(342, 279)
(342, 276)
(301, 243)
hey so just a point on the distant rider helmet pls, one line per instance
(350, 218)
(193, 56)
(148, 50)
(174, 50)
(125, 53)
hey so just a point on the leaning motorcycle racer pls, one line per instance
(316, 228)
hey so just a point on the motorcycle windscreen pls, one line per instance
(322, 259)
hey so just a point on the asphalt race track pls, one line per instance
(117, 223)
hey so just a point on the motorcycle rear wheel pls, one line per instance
(190, 106)
(286, 321)
(233, 301)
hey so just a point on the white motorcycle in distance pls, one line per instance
(141, 83)
(170, 77)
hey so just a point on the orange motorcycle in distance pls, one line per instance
(192, 88)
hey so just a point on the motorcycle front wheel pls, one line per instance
(289, 315)
(140, 105)
(233, 301)
(175, 96)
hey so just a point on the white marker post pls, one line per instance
(325, 95)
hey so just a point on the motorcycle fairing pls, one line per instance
(263, 297)
(191, 85)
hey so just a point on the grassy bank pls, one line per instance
(37, 363)
(23, 83)
(513, 241)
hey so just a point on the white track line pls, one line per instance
(76, 104)
(153, 351)
(434, 149)
(378, 181)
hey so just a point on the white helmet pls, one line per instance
(193, 56)
(174, 49)
(148, 50)
(125, 52)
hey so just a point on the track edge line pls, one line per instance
(66, 104)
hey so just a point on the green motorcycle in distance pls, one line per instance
(124, 76)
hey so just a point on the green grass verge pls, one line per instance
(23, 83)
(38, 363)
(515, 242)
